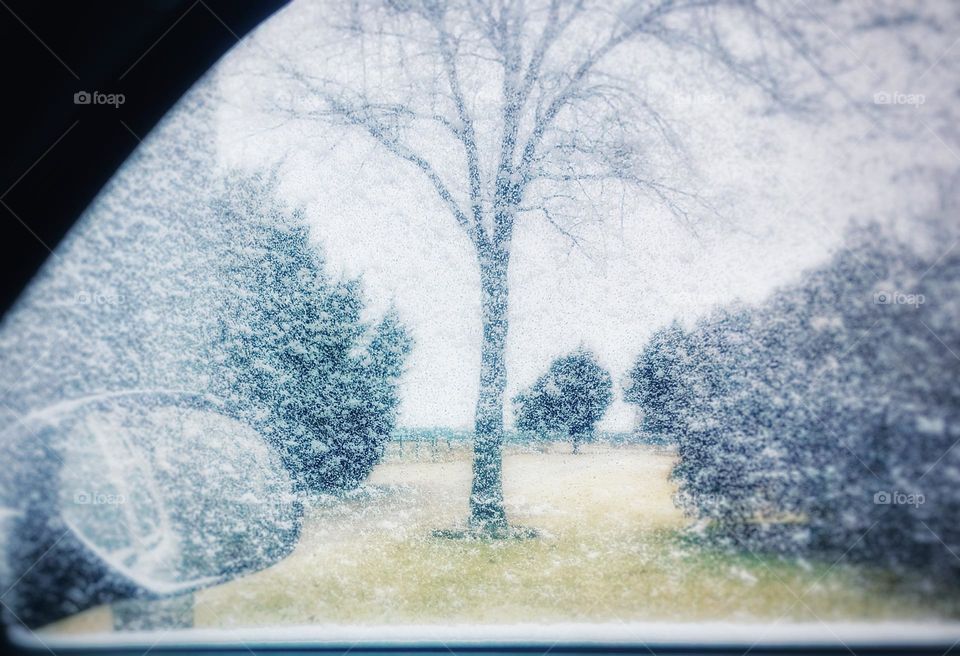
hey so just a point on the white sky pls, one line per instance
(787, 187)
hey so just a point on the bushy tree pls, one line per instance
(823, 420)
(569, 399)
(653, 382)
(298, 358)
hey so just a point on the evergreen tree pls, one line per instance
(570, 398)
(824, 419)
(654, 380)
(298, 359)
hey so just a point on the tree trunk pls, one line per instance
(486, 495)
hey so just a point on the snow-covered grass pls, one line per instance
(611, 550)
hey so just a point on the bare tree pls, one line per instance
(511, 109)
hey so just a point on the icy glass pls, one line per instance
(576, 320)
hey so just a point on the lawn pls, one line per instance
(611, 549)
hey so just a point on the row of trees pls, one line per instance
(824, 419)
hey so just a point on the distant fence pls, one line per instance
(414, 441)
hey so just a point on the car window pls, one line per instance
(475, 320)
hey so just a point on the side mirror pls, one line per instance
(135, 495)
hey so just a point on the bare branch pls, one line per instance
(575, 242)
(466, 128)
(576, 78)
(366, 116)
(564, 118)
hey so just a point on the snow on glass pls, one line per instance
(228, 395)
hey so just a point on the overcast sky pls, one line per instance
(786, 189)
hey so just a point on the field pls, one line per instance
(611, 549)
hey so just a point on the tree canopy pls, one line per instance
(570, 398)
(298, 359)
(826, 417)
